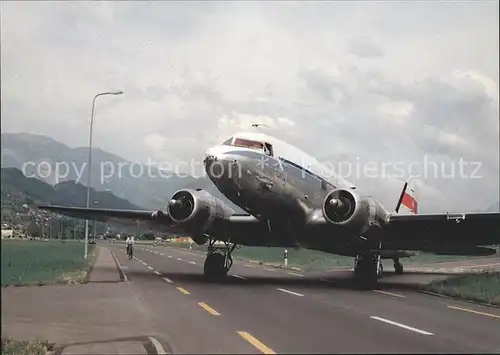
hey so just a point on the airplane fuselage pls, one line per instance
(277, 183)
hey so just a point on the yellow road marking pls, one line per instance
(472, 311)
(388, 293)
(209, 309)
(255, 342)
(184, 291)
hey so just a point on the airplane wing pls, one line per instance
(141, 218)
(443, 229)
(452, 234)
(240, 229)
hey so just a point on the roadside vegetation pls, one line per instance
(483, 287)
(21, 347)
(30, 262)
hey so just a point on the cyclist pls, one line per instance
(130, 244)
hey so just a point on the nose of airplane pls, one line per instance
(217, 163)
(210, 158)
(210, 155)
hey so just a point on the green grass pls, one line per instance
(309, 260)
(20, 347)
(28, 262)
(483, 287)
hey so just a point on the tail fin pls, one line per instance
(408, 201)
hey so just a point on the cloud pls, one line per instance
(364, 48)
(375, 81)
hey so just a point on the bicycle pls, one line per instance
(129, 251)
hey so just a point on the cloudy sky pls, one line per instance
(378, 82)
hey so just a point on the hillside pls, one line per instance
(151, 192)
(19, 195)
(19, 189)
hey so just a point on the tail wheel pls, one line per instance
(398, 268)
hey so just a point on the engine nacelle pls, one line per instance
(346, 208)
(195, 210)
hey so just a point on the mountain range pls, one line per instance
(40, 156)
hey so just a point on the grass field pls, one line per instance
(17, 347)
(484, 287)
(28, 262)
(315, 260)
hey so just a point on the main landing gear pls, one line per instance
(218, 261)
(367, 269)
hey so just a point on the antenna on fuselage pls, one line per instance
(257, 125)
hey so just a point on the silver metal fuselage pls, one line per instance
(277, 190)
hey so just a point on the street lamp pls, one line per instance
(90, 163)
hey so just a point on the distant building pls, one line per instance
(7, 233)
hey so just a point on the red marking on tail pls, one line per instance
(410, 202)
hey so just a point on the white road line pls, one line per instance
(157, 273)
(192, 262)
(169, 256)
(249, 265)
(157, 345)
(150, 267)
(125, 278)
(168, 280)
(179, 259)
(290, 292)
(388, 293)
(402, 326)
(294, 274)
(239, 277)
(162, 254)
(267, 269)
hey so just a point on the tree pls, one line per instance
(34, 229)
(149, 236)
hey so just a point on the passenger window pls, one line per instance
(228, 142)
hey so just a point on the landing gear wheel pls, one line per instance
(218, 261)
(367, 271)
(398, 268)
(214, 267)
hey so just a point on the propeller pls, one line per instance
(338, 206)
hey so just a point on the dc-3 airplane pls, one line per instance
(291, 203)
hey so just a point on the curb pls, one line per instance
(458, 299)
(87, 276)
(123, 278)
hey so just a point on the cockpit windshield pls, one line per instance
(247, 143)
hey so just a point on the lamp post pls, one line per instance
(90, 163)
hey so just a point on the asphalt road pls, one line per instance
(267, 310)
